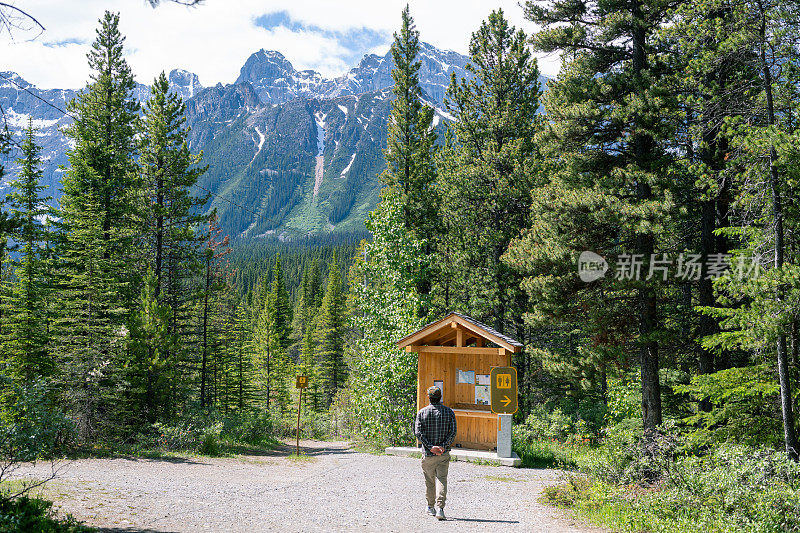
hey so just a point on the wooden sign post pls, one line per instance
(301, 383)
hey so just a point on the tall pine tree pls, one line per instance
(485, 171)
(28, 311)
(170, 221)
(97, 226)
(409, 152)
(609, 135)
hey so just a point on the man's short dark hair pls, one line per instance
(434, 394)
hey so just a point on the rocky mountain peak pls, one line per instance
(6, 79)
(186, 83)
(265, 66)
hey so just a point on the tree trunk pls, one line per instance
(203, 367)
(789, 433)
(705, 292)
(648, 350)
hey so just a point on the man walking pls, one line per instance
(435, 427)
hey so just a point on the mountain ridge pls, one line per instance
(289, 152)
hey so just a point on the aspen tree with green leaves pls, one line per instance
(384, 307)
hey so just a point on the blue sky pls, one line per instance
(214, 39)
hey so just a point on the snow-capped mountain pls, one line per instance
(301, 150)
(276, 80)
(185, 83)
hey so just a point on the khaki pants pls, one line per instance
(436, 468)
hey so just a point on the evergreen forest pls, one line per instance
(632, 224)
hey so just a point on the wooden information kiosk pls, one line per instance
(457, 354)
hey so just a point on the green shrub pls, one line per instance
(185, 437)
(627, 456)
(210, 444)
(539, 453)
(757, 488)
(551, 438)
(566, 494)
(253, 427)
(745, 407)
(732, 488)
(25, 515)
(316, 426)
(547, 424)
(312, 425)
(31, 424)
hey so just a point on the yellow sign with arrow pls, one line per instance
(503, 390)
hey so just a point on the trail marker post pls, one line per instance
(301, 383)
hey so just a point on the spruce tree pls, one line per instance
(149, 372)
(28, 320)
(308, 366)
(238, 370)
(272, 339)
(330, 334)
(760, 40)
(303, 311)
(215, 278)
(102, 161)
(409, 152)
(89, 324)
(168, 170)
(99, 210)
(485, 170)
(315, 284)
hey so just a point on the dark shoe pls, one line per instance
(440, 514)
(431, 510)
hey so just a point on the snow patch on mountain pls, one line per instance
(260, 144)
(319, 169)
(20, 120)
(350, 164)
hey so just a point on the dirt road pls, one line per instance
(334, 489)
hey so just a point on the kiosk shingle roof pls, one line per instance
(486, 331)
(493, 331)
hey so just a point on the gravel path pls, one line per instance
(334, 489)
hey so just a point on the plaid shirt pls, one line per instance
(435, 425)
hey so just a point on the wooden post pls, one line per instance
(299, 404)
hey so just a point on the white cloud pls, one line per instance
(214, 40)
